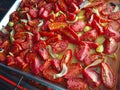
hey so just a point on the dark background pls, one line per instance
(5, 6)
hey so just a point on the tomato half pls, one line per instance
(82, 51)
(59, 46)
(107, 75)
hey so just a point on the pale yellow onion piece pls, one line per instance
(116, 8)
(96, 62)
(100, 49)
(28, 16)
(24, 20)
(95, 10)
(100, 40)
(87, 28)
(10, 53)
(4, 30)
(76, 19)
(12, 36)
(62, 73)
(11, 24)
(41, 23)
(51, 52)
(1, 50)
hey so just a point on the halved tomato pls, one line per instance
(108, 77)
(59, 46)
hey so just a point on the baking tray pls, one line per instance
(42, 81)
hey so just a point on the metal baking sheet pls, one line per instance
(42, 81)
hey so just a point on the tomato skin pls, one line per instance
(35, 65)
(33, 22)
(48, 74)
(59, 46)
(92, 45)
(89, 36)
(81, 51)
(69, 34)
(16, 48)
(70, 16)
(56, 64)
(91, 58)
(92, 77)
(2, 56)
(74, 70)
(114, 15)
(108, 77)
(110, 46)
(67, 57)
(43, 53)
(60, 18)
(10, 60)
(76, 84)
(57, 25)
(78, 26)
(73, 8)
(33, 13)
(62, 5)
(109, 32)
(20, 62)
(37, 45)
(98, 27)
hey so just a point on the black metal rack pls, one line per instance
(6, 71)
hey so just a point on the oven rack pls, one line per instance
(6, 69)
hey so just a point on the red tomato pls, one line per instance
(62, 5)
(25, 45)
(78, 26)
(43, 53)
(67, 57)
(33, 22)
(115, 15)
(20, 62)
(82, 51)
(57, 25)
(98, 27)
(46, 65)
(76, 84)
(37, 45)
(110, 46)
(48, 74)
(59, 46)
(50, 1)
(15, 48)
(107, 75)
(74, 70)
(70, 16)
(89, 36)
(60, 18)
(92, 77)
(2, 56)
(69, 34)
(56, 64)
(92, 45)
(89, 59)
(53, 39)
(35, 65)
(73, 8)
(33, 13)
(108, 10)
(109, 32)
(10, 60)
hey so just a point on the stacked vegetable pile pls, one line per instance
(63, 41)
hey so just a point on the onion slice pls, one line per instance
(62, 73)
